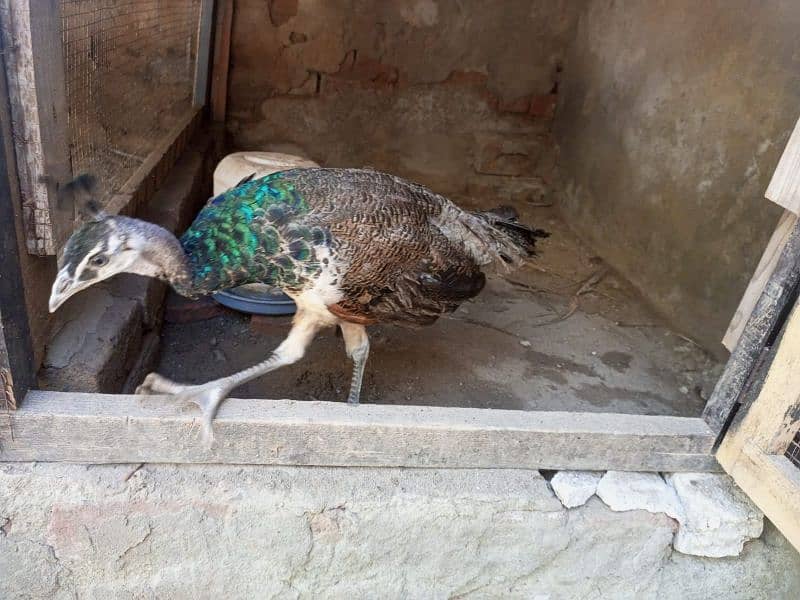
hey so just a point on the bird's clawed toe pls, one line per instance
(207, 397)
(157, 384)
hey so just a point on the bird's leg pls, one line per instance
(208, 396)
(356, 343)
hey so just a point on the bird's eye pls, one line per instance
(98, 261)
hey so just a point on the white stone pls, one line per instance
(717, 517)
(574, 488)
(638, 491)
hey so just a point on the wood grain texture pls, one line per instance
(222, 52)
(784, 187)
(95, 428)
(766, 266)
(773, 484)
(760, 326)
(773, 419)
(51, 97)
(753, 447)
(17, 368)
(203, 53)
(31, 32)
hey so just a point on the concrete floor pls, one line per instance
(508, 348)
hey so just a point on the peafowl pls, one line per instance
(351, 247)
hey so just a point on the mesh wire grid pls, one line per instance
(793, 451)
(129, 70)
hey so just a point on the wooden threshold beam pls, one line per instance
(98, 428)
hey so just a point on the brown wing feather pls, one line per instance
(404, 254)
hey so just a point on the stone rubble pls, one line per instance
(714, 517)
(638, 491)
(717, 517)
(574, 488)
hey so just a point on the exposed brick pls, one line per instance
(518, 105)
(543, 106)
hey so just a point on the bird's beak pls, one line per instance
(63, 287)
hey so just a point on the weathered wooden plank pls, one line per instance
(753, 447)
(222, 51)
(16, 347)
(203, 53)
(52, 426)
(766, 266)
(784, 187)
(773, 419)
(763, 321)
(773, 484)
(51, 98)
(35, 71)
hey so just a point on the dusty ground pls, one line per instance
(509, 348)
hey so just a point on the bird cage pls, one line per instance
(103, 87)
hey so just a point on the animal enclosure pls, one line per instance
(601, 353)
(129, 72)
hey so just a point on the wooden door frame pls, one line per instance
(16, 347)
(753, 447)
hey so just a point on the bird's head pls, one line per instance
(100, 248)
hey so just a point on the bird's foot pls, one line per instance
(157, 384)
(207, 396)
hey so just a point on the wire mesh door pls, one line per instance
(129, 75)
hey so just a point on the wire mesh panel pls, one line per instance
(129, 70)
(793, 451)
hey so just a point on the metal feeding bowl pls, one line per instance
(255, 298)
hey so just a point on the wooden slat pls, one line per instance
(51, 97)
(764, 270)
(774, 417)
(95, 428)
(17, 370)
(752, 449)
(761, 324)
(773, 484)
(203, 53)
(222, 51)
(35, 72)
(784, 187)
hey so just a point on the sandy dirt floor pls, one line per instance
(515, 346)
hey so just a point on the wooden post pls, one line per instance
(767, 315)
(35, 68)
(222, 52)
(16, 348)
(753, 447)
(764, 270)
(203, 53)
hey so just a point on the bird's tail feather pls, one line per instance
(514, 240)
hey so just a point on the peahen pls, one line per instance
(351, 247)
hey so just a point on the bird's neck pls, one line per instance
(165, 259)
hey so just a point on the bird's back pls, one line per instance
(393, 250)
